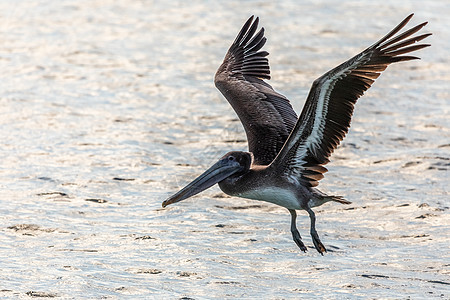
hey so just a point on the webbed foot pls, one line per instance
(298, 240)
(295, 234)
(317, 243)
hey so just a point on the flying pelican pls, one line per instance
(287, 154)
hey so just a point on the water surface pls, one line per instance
(108, 107)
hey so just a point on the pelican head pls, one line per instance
(232, 164)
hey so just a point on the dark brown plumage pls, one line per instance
(266, 115)
(286, 156)
(339, 89)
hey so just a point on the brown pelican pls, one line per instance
(287, 154)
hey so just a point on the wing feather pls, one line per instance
(327, 113)
(266, 115)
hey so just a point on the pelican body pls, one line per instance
(287, 153)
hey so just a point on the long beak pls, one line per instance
(218, 172)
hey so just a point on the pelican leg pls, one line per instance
(295, 234)
(315, 237)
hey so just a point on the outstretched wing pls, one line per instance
(327, 113)
(267, 116)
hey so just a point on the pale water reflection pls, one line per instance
(108, 107)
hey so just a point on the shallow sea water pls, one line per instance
(108, 107)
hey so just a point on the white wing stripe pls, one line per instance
(313, 141)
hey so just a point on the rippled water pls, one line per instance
(108, 107)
